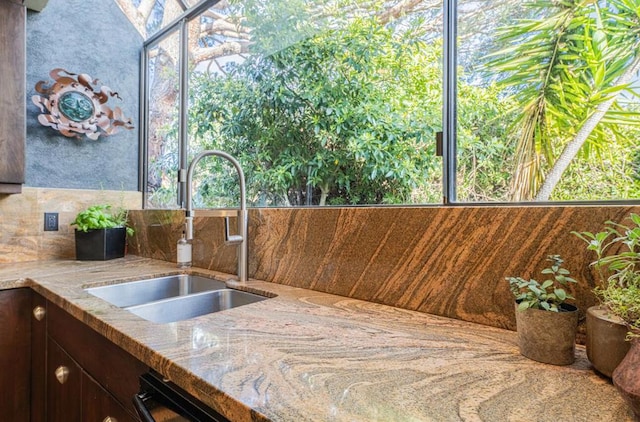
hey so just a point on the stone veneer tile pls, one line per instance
(22, 235)
(23, 248)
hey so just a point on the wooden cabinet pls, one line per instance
(72, 395)
(15, 349)
(99, 405)
(12, 96)
(64, 385)
(38, 356)
(56, 368)
(101, 377)
(112, 368)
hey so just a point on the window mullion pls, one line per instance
(449, 112)
(183, 153)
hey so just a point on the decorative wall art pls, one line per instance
(73, 107)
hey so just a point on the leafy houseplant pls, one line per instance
(549, 294)
(101, 233)
(619, 271)
(546, 325)
(101, 217)
(617, 248)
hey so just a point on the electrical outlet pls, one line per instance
(51, 221)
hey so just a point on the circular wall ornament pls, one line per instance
(73, 107)
(76, 106)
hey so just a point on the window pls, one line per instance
(163, 121)
(532, 77)
(332, 102)
(312, 122)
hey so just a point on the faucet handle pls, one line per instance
(231, 239)
(188, 225)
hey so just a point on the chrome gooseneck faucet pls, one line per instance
(239, 239)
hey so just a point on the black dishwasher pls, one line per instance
(161, 401)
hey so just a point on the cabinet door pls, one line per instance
(64, 385)
(113, 368)
(38, 357)
(15, 340)
(98, 405)
(12, 103)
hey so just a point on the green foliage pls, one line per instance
(347, 112)
(635, 166)
(549, 294)
(485, 143)
(607, 170)
(560, 67)
(590, 181)
(101, 217)
(625, 303)
(348, 116)
(617, 249)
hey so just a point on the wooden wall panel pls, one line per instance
(12, 98)
(15, 354)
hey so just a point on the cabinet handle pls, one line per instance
(109, 419)
(39, 312)
(62, 374)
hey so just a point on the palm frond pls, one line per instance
(560, 68)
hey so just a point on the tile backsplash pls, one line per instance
(22, 235)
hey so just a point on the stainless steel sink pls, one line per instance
(186, 307)
(153, 289)
(173, 298)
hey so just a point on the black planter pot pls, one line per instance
(100, 245)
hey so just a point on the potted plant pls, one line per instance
(624, 301)
(618, 264)
(616, 249)
(546, 325)
(101, 233)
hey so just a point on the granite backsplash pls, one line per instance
(448, 261)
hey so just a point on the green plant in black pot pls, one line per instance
(101, 233)
(546, 324)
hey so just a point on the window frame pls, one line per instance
(449, 113)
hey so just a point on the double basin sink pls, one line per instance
(173, 298)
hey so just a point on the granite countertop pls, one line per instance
(310, 356)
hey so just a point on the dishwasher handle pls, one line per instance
(141, 409)
(158, 397)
